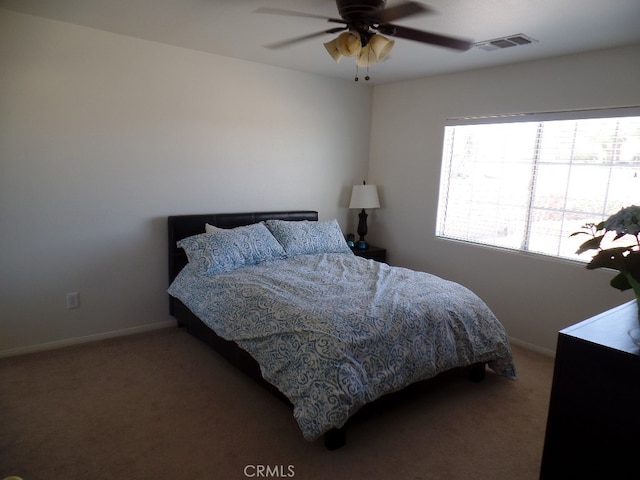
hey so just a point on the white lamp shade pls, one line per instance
(332, 48)
(364, 196)
(349, 44)
(381, 46)
(366, 57)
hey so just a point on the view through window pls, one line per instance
(527, 182)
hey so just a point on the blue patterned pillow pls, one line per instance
(305, 237)
(230, 249)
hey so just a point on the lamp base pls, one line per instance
(362, 230)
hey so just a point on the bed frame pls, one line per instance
(182, 226)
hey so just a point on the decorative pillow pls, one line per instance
(305, 237)
(208, 228)
(229, 249)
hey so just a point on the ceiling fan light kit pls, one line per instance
(332, 48)
(366, 57)
(381, 46)
(350, 44)
(375, 51)
(363, 22)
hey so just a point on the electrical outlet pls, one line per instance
(73, 300)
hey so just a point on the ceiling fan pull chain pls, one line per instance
(367, 77)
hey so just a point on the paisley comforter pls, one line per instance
(335, 331)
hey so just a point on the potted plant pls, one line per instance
(622, 226)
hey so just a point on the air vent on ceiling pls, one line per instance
(516, 40)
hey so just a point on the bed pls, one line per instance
(283, 298)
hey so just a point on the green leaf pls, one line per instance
(633, 263)
(620, 282)
(591, 244)
(610, 258)
(634, 281)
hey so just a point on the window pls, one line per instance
(527, 182)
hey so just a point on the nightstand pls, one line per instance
(372, 253)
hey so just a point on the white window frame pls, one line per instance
(468, 169)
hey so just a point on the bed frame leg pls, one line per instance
(335, 438)
(477, 372)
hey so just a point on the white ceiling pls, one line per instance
(232, 28)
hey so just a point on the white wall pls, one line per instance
(102, 136)
(533, 297)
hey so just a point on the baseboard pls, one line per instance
(532, 347)
(171, 323)
(89, 338)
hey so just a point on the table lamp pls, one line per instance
(363, 196)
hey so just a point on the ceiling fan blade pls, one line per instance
(402, 10)
(425, 37)
(293, 13)
(291, 41)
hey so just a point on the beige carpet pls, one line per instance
(164, 405)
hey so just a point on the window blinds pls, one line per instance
(526, 182)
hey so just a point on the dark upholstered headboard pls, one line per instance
(183, 226)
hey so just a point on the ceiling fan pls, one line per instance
(364, 24)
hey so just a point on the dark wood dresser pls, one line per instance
(593, 427)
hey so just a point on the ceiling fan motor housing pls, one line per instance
(353, 10)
